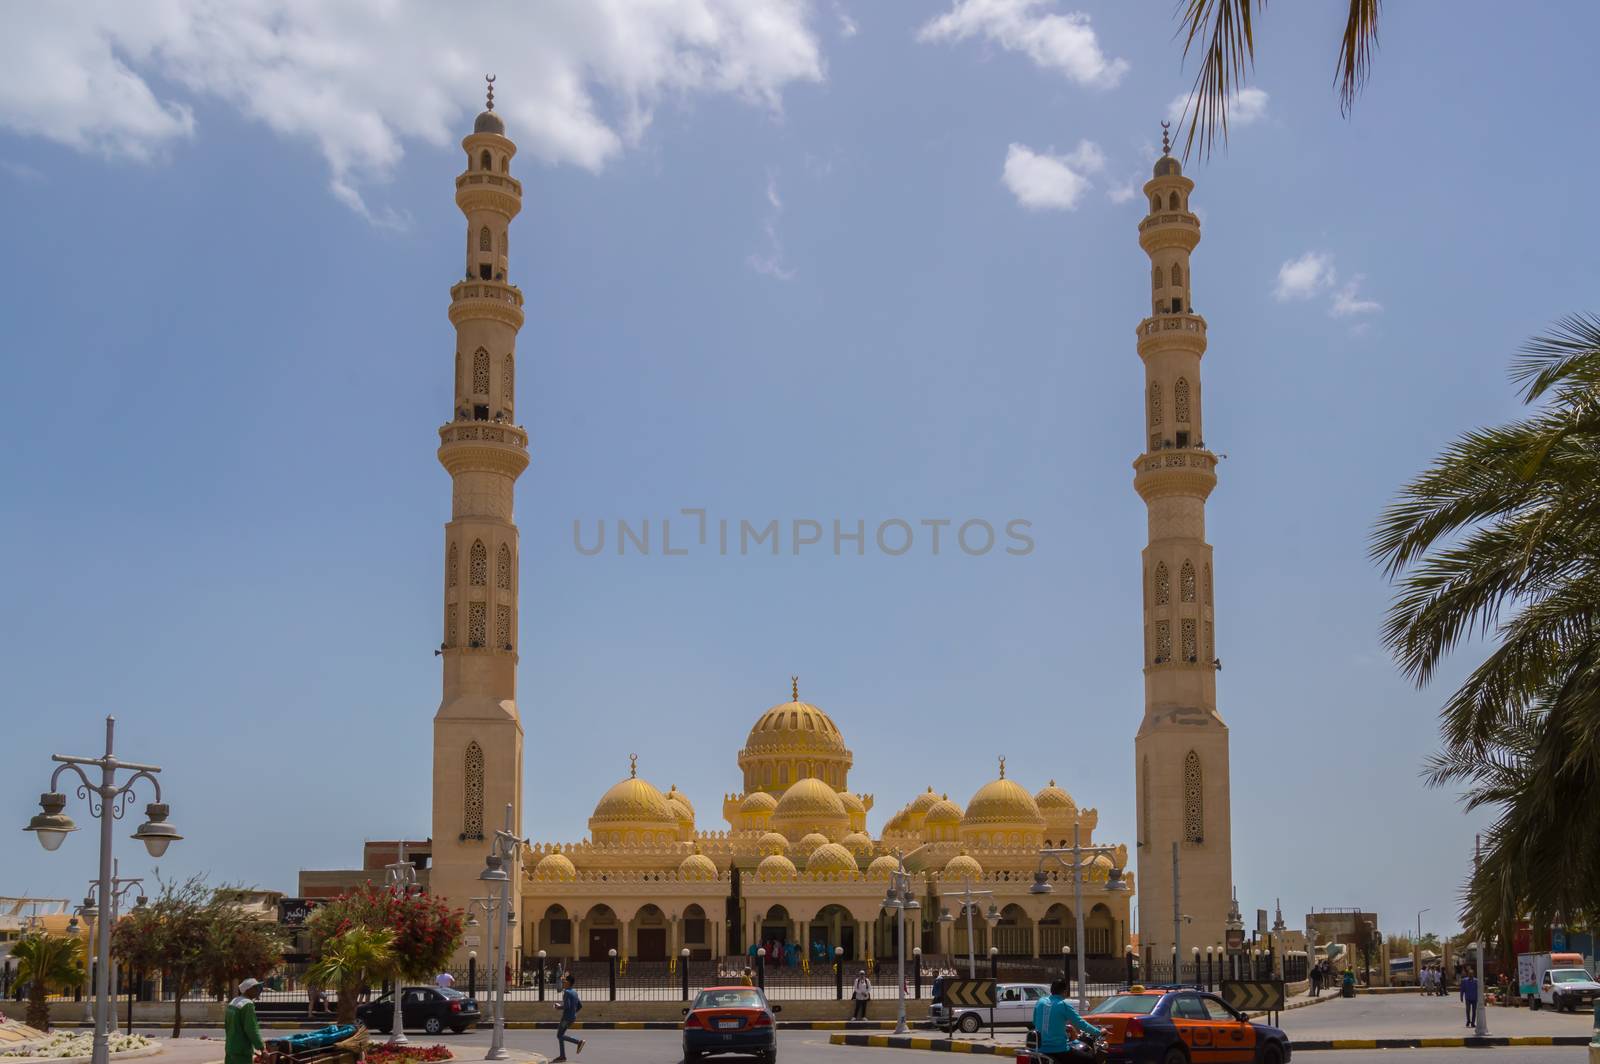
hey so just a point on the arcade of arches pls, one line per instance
(797, 870)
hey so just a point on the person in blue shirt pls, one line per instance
(1053, 1021)
(569, 1012)
(1469, 996)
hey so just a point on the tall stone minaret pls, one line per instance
(477, 733)
(1181, 751)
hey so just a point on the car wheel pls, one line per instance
(1271, 1053)
(1175, 1055)
(970, 1023)
(433, 1025)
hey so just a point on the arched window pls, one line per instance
(1144, 803)
(1172, 202)
(1155, 277)
(486, 163)
(1155, 204)
(472, 793)
(451, 562)
(507, 380)
(1163, 642)
(1155, 405)
(480, 372)
(452, 633)
(1163, 584)
(1186, 581)
(485, 239)
(505, 164)
(1194, 810)
(502, 568)
(1177, 274)
(477, 623)
(1180, 401)
(502, 627)
(478, 565)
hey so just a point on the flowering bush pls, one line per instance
(75, 1044)
(384, 1053)
(426, 930)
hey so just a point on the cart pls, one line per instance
(336, 1044)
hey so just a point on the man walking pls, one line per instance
(861, 993)
(1469, 997)
(241, 1031)
(1051, 1019)
(1316, 980)
(569, 1013)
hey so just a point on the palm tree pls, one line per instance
(46, 963)
(1500, 538)
(1223, 31)
(350, 963)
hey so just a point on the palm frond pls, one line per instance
(1223, 30)
(1356, 45)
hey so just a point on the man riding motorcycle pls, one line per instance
(1055, 1022)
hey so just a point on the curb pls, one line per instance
(946, 1045)
(675, 1025)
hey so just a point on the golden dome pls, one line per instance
(923, 802)
(1003, 801)
(831, 858)
(962, 866)
(772, 843)
(775, 866)
(809, 844)
(858, 843)
(1055, 802)
(680, 812)
(557, 866)
(852, 804)
(633, 801)
(881, 867)
(674, 793)
(944, 811)
(791, 741)
(810, 803)
(697, 866)
(758, 803)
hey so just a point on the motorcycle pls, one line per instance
(1080, 1046)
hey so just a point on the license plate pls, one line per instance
(727, 1025)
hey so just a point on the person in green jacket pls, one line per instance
(240, 1026)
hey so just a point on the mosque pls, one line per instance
(796, 862)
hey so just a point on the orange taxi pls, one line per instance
(1183, 1025)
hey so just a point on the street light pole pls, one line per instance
(1483, 996)
(901, 900)
(402, 876)
(108, 800)
(1114, 883)
(966, 895)
(502, 851)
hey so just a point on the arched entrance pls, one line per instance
(601, 933)
(833, 927)
(555, 932)
(1057, 930)
(1099, 932)
(1013, 935)
(696, 932)
(649, 935)
(774, 933)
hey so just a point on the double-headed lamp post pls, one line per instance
(900, 899)
(503, 852)
(1042, 885)
(969, 906)
(108, 800)
(401, 878)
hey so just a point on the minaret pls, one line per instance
(477, 734)
(1181, 751)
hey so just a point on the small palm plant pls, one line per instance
(46, 963)
(351, 962)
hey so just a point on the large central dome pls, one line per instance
(790, 742)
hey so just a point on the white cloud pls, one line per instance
(769, 262)
(1347, 301)
(1042, 181)
(1304, 277)
(578, 81)
(847, 25)
(1063, 42)
(1245, 107)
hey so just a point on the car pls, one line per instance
(1013, 1007)
(1565, 989)
(1183, 1025)
(730, 1019)
(433, 1008)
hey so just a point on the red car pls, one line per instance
(730, 1019)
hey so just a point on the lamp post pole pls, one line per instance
(402, 876)
(503, 851)
(106, 924)
(966, 894)
(108, 800)
(1041, 885)
(900, 899)
(1483, 997)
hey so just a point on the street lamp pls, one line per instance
(900, 899)
(108, 800)
(496, 906)
(967, 894)
(1114, 884)
(400, 878)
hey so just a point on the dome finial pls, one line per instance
(490, 79)
(1166, 144)
(633, 766)
(794, 688)
(1002, 766)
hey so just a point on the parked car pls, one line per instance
(1013, 1007)
(730, 1019)
(1558, 980)
(1177, 1025)
(432, 1008)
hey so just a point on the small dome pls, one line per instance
(680, 812)
(1167, 166)
(852, 804)
(809, 844)
(674, 793)
(923, 802)
(963, 867)
(697, 866)
(633, 800)
(858, 843)
(557, 866)
(882, 867)
(1003, 801)
(831, 858)
(810, 805)
(944, 811)
(488, 122)
(775, 866)
(772, 843)
(1052, 800)
(758, 803)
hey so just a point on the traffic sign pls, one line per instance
(970, 993)
(1254, 995)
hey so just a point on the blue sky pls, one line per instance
(777, 267)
